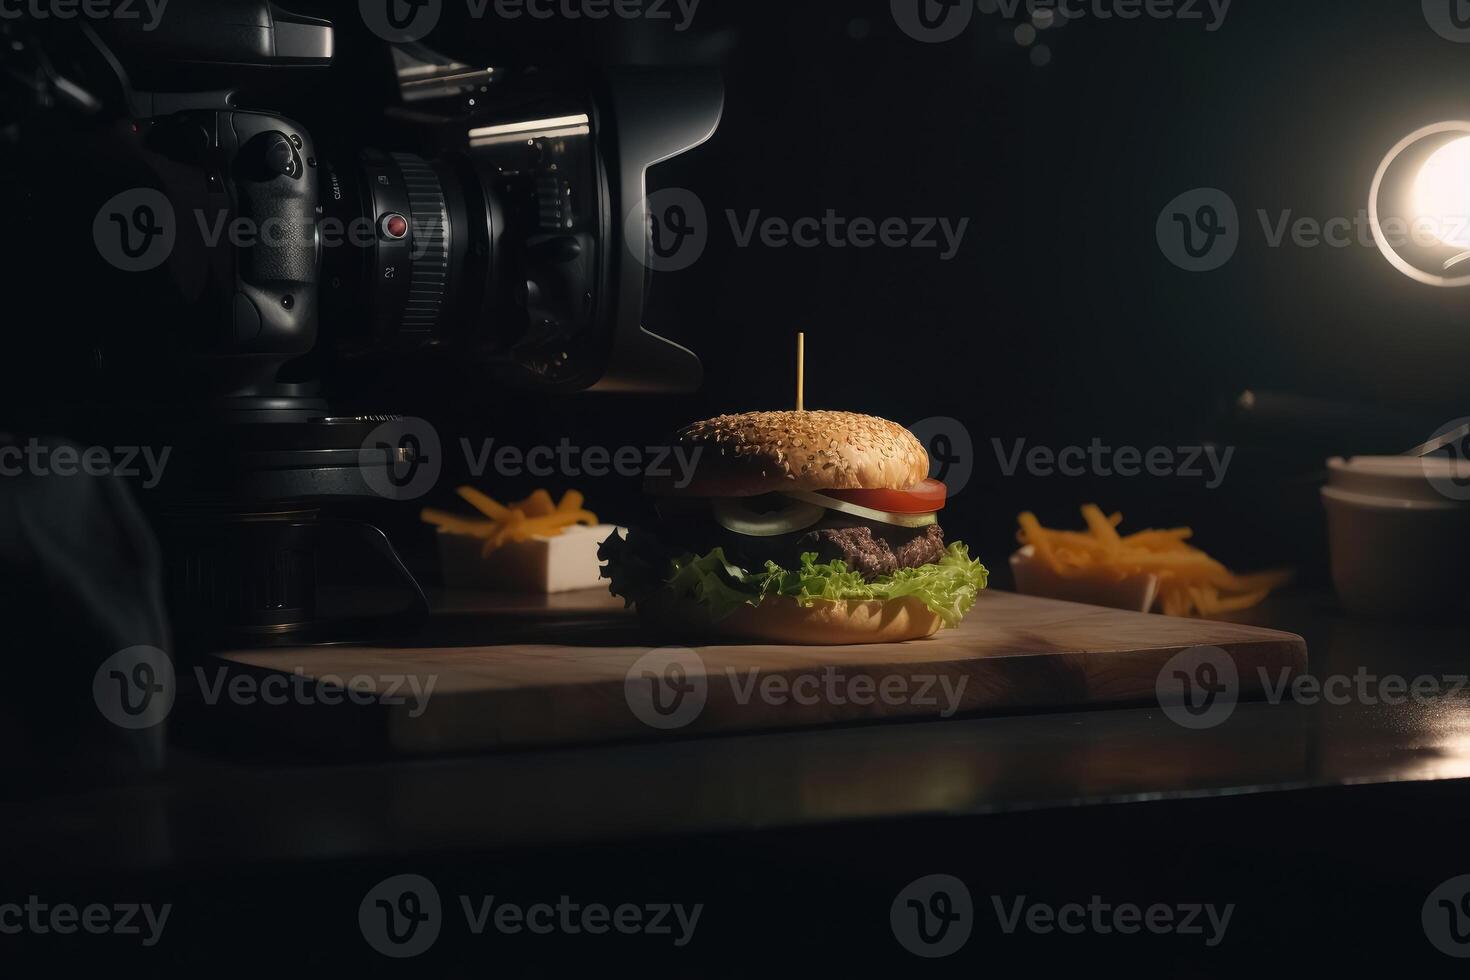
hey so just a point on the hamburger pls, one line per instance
(816, 528)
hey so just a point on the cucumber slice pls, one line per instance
(866, 513)
(736, 514)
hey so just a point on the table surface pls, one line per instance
(216, 805)
(510, 687)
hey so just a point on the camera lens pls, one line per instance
(399, 234)
(494, 251)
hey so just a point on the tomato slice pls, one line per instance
(922, 498)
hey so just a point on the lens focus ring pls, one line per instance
(430, 223)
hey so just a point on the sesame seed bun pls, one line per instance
(786, 621)
(767, 452)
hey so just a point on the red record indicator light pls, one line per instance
(395, 226)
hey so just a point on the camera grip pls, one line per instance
(275, 306)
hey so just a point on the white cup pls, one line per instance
(1399, 531)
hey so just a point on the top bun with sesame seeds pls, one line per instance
(772, 452)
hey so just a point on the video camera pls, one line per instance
(408, 213)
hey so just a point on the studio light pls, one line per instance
(1419, 207)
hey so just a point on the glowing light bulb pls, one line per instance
(1442, 194)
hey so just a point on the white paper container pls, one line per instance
(541, 566)
(1398, 529)
(1135, 593)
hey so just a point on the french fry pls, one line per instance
(1158, 539)
(1181, 562)
(1240, 602)
(490, 508)
(538, 516)
(1077, 541)
(1102, 528)
(1036, 537)
(455, 524)
(1191, 583)
(538, 504)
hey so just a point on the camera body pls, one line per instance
(225, 243)
(484, 218)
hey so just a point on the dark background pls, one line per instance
(1060, 320)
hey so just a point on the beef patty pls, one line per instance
(875, 549)
(869, 548)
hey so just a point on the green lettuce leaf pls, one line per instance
(712, 580)
(640, 565)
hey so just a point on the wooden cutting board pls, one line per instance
(508, 672)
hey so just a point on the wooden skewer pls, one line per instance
(801, 372)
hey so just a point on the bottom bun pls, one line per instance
(783, 620)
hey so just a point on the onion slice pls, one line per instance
(735, 514)
(866, 513)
